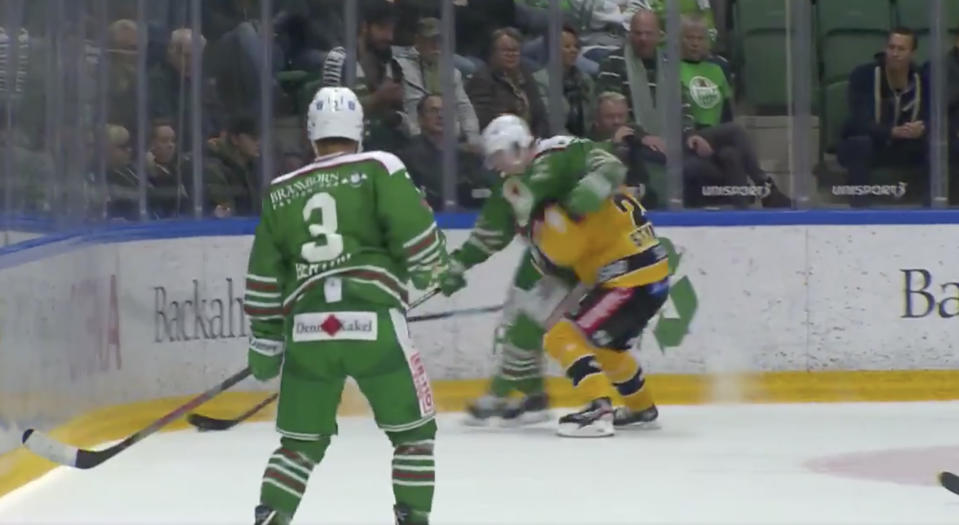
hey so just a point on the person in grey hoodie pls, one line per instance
(421, 78)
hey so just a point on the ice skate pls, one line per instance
(624, 417)
(596, 420)
(528, 410)
(480, 411)
(264, 515)
(406, 516)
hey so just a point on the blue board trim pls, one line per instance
(58, 243)
(843, 217)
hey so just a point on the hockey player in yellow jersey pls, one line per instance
(577, 216)
(615, 253)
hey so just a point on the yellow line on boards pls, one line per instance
(19, 467)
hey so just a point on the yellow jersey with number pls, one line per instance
(614, 247)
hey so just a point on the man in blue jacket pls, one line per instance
(888, 101)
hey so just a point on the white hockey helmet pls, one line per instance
(335, 112)
(506, 143)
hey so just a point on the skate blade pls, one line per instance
(593, 430)
(471, 421)
(527, 418)
(639, 425)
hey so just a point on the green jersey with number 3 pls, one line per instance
(347, 231)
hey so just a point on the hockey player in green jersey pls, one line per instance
(532, 297)
(569, 203)
(518, 338)
(327, 296)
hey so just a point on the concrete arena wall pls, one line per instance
(101, 320)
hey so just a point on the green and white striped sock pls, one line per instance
(285, 479)
(414, 477)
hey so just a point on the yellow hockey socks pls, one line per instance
(575, 354)
(624, 372)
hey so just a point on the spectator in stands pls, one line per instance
(421, 75)
(577, 87)
(635, 71)
(123, 185)
(707, 93)
(424, 155)
(230, 180)
(506, 86)
(223, 16)
(169, 196)
(597, 23)
(307, 29)
(702, 8)
(236, 57)
(475, 20)
(122, 71)
(612, 124)
(379, 78)
(889, 108)
(408, 15)
(170, 86)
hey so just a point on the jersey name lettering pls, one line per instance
(283, 195)
(305, 271)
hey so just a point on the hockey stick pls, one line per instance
(949, 481)
(47, 447)
(425, 297)
(455, 313)
(207, 423)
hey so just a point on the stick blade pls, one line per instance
(949, 481)
(49, 448)
(204, 423)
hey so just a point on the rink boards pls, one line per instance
(140, 313)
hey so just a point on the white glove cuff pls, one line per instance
(267, 347)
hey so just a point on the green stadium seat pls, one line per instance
(765, 78)
(844, 16)
(842, 53)
(851, 32)
(658, 186)
(914, 14)
(762, 35)
(758, 15)
(951, 8)
(834, 114)
(924, 39)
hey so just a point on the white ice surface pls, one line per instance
(729, 464)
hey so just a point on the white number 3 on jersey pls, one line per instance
(322, 229)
